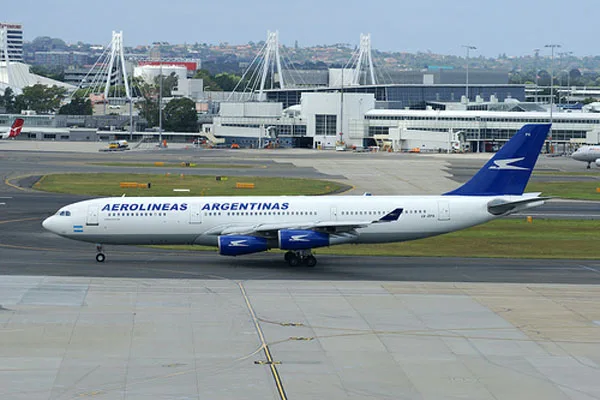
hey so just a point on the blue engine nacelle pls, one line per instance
(297, 239)
(236, 245)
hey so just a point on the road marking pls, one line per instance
(265, 347)
(8, 183)
(20, 220)
(590, 268)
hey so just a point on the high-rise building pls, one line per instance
(14, 41)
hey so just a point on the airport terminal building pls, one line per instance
(320, 118)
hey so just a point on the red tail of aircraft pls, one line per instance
(14, 130)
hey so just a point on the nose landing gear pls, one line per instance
(100, 257)
(295, 258)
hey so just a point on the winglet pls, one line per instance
(392, 216)
(508, 172)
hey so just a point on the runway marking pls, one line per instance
(8, 183)
(3, 197)
(19, 220)
(265, 346)
(589, 268)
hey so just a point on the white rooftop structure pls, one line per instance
(149, 72)
(17, 76)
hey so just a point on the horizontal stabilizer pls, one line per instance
(500, 207)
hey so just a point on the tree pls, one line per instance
(40, 98)
(227, 81)
(168, 83)
(180, 115)
(149, 106)
(77, 106)
(544, 78)
(8, 101)
(208, 80)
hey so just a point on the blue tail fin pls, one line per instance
(508, 172)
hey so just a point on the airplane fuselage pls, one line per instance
(589, 154)
(200, 220)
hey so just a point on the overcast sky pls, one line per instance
(514, 27)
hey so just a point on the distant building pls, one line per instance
(400, 96)
(436, 76)
(63, 58)
(76, 75)
(185, 87)
(14, 41)
(190, 65)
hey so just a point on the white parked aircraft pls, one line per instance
(14, 130)
(298, 224)
(588, 154)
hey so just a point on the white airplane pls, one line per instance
(14, 130)
(298, 224)
(588, 154)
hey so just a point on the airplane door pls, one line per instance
(92, 216)
(195, 214)
(333, 214)
(443, 211)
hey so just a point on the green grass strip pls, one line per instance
(108, 184)
(578, 190)
(503, 238)
(173, 165)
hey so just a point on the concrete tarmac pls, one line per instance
(161, 324)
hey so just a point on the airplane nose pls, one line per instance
(48, 225)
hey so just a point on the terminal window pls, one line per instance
(325, 124)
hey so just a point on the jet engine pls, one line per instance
(299, 239)
(236, 245)
(598, 162)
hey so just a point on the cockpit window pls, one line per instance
(65, 213)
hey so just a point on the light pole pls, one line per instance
(535, 71)
(468, 47)
(552, 47)
(160, 89)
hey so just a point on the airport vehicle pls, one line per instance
(588, 154)
(14, 130)
(298, 224)
(118, 145)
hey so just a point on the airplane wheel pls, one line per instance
(288, 255)
(293, 260)
(100, 257)
(311, 261)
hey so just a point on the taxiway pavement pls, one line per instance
(161, 324)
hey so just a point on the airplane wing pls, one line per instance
(326, 226)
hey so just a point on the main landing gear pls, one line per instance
(295, 258)
(100, 257)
